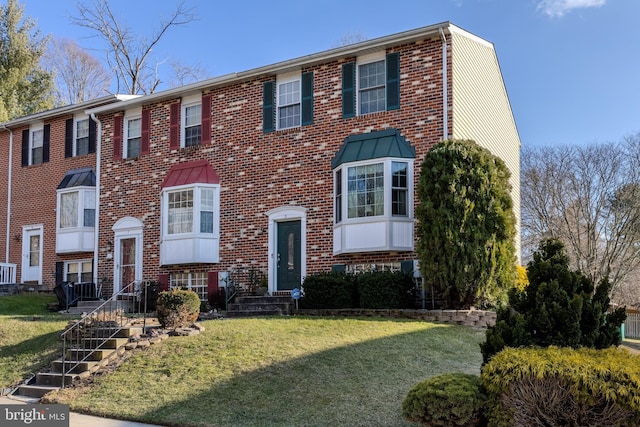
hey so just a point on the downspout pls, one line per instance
(9, 179)
(445, 90)
(97, 219)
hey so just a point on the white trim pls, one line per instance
(283, 214)
(78, 118)
(189, 101)
(284, 79)
(27, 230)
(364, 60)
(135, 113)
(32, 129)
(127, 228)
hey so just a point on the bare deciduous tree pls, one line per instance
(589, 198)
(128, 53)
(185, 74)
(78, 75)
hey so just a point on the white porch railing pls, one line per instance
(7, 273)
(632, 325)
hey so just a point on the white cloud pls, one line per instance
(558, 8)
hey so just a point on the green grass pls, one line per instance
(29, 336)
(282, 371)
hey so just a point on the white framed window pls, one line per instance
(78, 271)
(81, 136)
(193, 281)
(132, 134)
(371, 81)
(36, 144)
(76, 208)
(373, 205)
(191, 210)
(375, 188)
(289, 101)
(191, 125)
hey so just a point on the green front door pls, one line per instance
(289, 255)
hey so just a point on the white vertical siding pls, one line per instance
(481, 108)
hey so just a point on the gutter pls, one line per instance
(96, 238)
(9, 179)
(445, 90)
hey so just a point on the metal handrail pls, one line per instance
(89, 334)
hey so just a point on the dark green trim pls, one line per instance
(46, 137)
(393, 81)
(268, 107)
(307, 99)
(348, 90)
(25, 147)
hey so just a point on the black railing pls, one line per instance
(87, 336)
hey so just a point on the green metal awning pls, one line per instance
(373, 145)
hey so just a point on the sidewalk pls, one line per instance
(80, 420)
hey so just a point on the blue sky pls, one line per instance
(570, 66)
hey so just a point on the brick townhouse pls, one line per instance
(287, 169)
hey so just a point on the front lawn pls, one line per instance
(282, 371)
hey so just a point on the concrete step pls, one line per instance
(36, 391)
(92, 355)
(254, 313)
(101, 343)
(263, 299)
(54, 379)
(80, 367)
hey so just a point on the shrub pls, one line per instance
(562, 387)
(329, 290)
(452, 399)
(559, 307)
(178, 308)
(385, 289)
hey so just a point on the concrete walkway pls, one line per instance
(80, 420)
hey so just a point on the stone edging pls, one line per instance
(478, 318)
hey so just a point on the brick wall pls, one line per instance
(259, 172)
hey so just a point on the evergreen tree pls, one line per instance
(25, 88)
(466, 225)
(559, 307)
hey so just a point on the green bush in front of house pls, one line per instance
(385, 289)
(451, 399)
(329, 290)
(178, 308)
(562, 386)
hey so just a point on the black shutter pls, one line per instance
(59, 272)
(25, 147)
(393, 81)
(267, 107)
(92, 135)
(307, 99)
(45, 143)
(68, 138)
(348, 90)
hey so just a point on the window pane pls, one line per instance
(82, 137)
(37, 146)
(134, 129)
(372, 93)
(192, 136)
(338, 212)
(206, 211)
(69, 210)
(206, 222)
(192, 115)
(365, 196)
(289, 104)
(180, 206)
(399, 189)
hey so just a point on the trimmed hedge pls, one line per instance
(452, 399)
(385, 289)
(372, 290)
(329, 290)
(563, 386)
(178, 308)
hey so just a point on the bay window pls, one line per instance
(76, 211)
